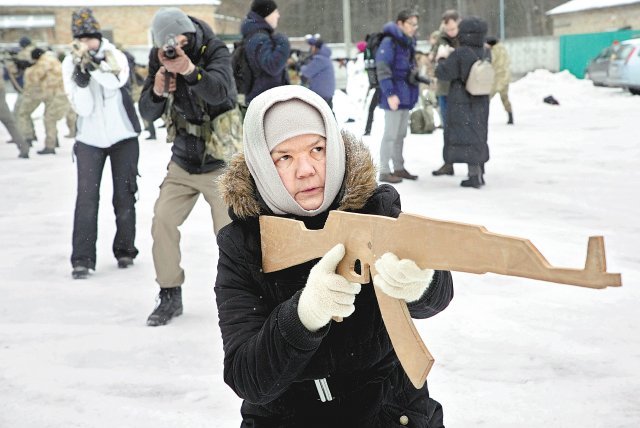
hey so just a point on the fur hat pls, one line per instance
(170, 21)
(84, 24)
(263, 8)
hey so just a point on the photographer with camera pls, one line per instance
(190, 81)
(94, 75)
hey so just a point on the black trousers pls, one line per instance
(375, 99)
(124, 170)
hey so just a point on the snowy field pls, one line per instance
(509, 352)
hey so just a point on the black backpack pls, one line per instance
(373, 43)
(241, 70)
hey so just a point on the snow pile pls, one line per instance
(509, 351)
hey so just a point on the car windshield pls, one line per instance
(623, 52)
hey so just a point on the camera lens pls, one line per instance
(170, 52)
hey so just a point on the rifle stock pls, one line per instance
(433, 244)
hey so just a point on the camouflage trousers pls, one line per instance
(504, 97)
(71, 119)
(55, 108)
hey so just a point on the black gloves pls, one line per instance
(81, 78)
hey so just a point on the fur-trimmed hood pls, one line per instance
(239, 191)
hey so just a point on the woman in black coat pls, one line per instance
(465, 134)
(286, 359)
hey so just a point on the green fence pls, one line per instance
(576, 50)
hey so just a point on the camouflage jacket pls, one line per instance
(501, 65)
(44, 78)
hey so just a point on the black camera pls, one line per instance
(169, 47)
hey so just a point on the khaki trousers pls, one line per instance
(179, 193)
(504, 97)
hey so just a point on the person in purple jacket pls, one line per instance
(396, 69)
(318, 74)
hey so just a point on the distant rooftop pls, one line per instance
(95, 3)
(581, 5)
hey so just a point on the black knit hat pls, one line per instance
(84, 24)
(263, 8)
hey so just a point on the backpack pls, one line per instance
(481, 77)
(373, 43)
(241, 70)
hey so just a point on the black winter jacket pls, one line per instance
(465, 136)
(271, 359)
(212, 82)
(267, 53)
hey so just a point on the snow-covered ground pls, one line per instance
(510, 352)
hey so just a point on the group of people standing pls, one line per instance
(460, 43)
(36, 75)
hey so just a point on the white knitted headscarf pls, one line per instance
(258, 143)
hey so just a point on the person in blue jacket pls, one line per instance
(396, 69)
(267, 51)
(318, 74)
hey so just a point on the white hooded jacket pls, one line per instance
(102, 118)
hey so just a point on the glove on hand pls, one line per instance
(159, 82)
(181, 64)
(80, 77)
(327, 294)
(401, 279)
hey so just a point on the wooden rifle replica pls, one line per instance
(433, 244)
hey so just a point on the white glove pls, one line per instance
(443, 51)
(327, 294)
(401, 279)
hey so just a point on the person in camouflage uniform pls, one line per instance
(23, 60)
(43, 84)
(501, 65)
(9, 122)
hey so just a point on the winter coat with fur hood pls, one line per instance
(465, 136)
(271, 359)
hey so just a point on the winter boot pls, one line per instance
(80, 272)
(125, 262)
(510, 121)
(446, 169)
(24, 155)
(389, 178)
(474, 181)
(403, 173)
(47, 151)
(169, 306)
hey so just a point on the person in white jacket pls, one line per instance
(95, 76)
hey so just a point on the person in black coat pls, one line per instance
(283, 355)
(267, 51)
(465, 133)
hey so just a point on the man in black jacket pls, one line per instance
(191, 82)
(283, 355)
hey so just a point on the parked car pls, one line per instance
(624, 67)
(598, 68)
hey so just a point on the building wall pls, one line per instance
(597, 20)
(126, 26)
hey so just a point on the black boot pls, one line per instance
(47, 151)
(446, 169)
(474, 181)
(510, 121)
(125, 262)
(80, 272)
(169, 306)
